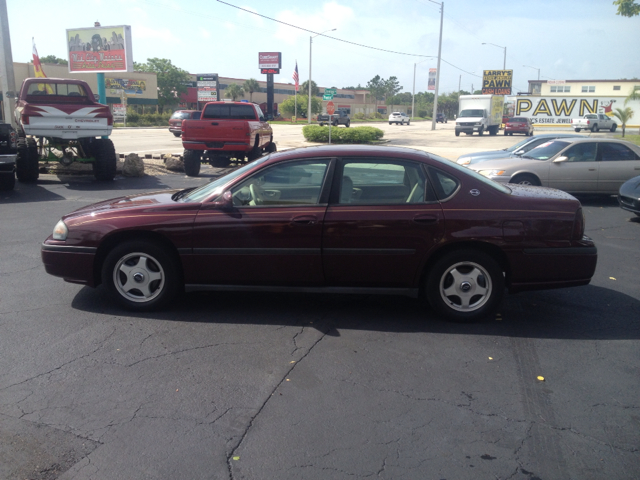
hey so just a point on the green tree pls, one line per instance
(287, 107)
(53, 59)
(234, 91)
(315, 91)
(251, 86)
(172, 81)
(377, 88)
(634, 95)
(391, 88)
(624, 116)
(627, 8)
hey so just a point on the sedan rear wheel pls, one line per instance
(140, 275)
(465, 285)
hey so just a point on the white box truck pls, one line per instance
(479, 113)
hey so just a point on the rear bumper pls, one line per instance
(547, 268)
(73, 264)
(217, 146)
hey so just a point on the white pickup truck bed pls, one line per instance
(594, 122)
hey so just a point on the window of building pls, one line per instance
(588, 88)
(560, 89)
(616, 87)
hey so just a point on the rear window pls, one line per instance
(590, 116)
(517, 119)
(220, 111)
(179, 115)
(59, 89)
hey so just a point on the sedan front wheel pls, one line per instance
(465, 285)
(140, 275)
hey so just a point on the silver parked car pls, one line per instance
(585, 165)
(516, 150)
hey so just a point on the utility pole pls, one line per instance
(6, 67)
(435, 98)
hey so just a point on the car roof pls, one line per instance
(596, 139)
(351, 150)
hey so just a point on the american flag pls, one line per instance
(295, 76)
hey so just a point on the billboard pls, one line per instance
(497, 82)
(560, 110)
(129, 85)
(100, 49)
(269, 60)
(432, 79)
(207, 84)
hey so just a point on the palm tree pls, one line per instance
(251, 86)
(635, 95)
(624, 116)
(234, 91)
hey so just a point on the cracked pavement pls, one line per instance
(223, 386)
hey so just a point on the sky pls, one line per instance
(564, 39)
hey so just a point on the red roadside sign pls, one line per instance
(331, 108)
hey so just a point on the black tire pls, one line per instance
(457, 133)
(408, 122)
(481, 131)
(7, 181)
(106, 162)
(177, 134)
(613, 127)
(272, 147)
(220, 161)
(348, 124)
(390, 123)
(493, 131)
(577, 130)
(141, 275)
(465, 285)
(526, 179)
(505, 133)
(255, 152)
(192, 160)
(322, 124)
(595, 128)
(27, 161)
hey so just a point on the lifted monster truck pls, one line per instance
(59, 120)
(225, 130)
(8, 139)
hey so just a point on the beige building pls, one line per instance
(583, 88)
(139, 88)
(353, 101)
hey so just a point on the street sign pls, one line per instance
(331, 108)
(327, 97)
(330, 91)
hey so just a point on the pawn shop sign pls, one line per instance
(331, 108)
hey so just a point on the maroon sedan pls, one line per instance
(518, 125)
(353, 219)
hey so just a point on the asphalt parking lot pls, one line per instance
(275, 386)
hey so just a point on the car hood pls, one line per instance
(497, 153)
(631, 188)
(145, 201)
(509, 164)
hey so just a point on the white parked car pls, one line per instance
(399, 118)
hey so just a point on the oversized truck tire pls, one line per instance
(192, 159)
(105, 163)
(27, 161)
(219, 161)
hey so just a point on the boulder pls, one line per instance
(175, 164)
(133, 166)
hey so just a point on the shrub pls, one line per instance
(316, 133)
(359, 116)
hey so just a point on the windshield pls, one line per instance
(472, 113)
(546, 150)
(179, 115)
(515, 147)
(215, 187)
(472, 173)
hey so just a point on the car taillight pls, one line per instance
(588, 122)
(109, 120)
(25, 119)
(578, 226)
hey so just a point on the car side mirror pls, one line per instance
(224, 201)
(561, 159)
(96, 97)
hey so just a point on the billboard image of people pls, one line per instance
(100, 49)
(432, 79)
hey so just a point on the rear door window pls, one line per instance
(614, 152)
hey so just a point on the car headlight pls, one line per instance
(491, 173)
(463, 161)
(60, 231)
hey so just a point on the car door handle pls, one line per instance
(304, 220)
(425, 219)
(214, 123)
(592, 169)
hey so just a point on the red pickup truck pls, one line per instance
(225, 130)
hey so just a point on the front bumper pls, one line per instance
(217, 146)
(73, 264)
(466, 128)
(629, 204)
